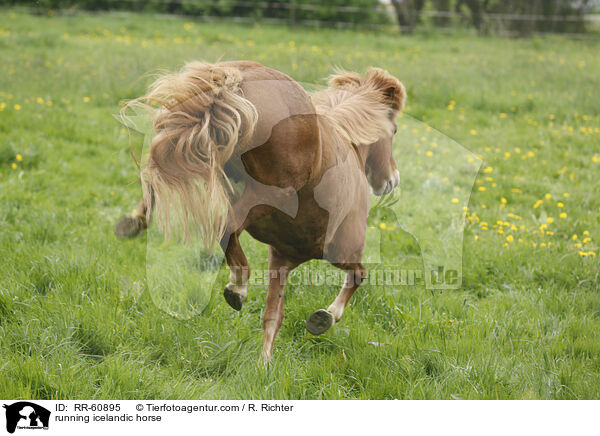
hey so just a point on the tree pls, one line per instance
(408, 13)
(477, 9)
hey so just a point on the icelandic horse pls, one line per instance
(306, 162)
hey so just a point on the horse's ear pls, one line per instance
(345, 80)
(392, 89)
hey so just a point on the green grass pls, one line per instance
(77, 319)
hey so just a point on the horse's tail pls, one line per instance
(202, 117)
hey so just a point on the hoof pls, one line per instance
(319, 322)
(234, 299)
(128, 227)
(266, 358)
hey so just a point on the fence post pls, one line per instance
(292, 14)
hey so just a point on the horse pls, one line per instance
(306, 161)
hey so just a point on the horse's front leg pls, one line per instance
(279, 269)
(322, 320)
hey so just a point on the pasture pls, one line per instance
(76, 317)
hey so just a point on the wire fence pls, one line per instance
(278, 12)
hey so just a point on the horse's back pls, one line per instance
(275, 95)
(285, 143)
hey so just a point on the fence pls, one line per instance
(380, 15)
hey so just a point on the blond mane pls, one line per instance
(361, 108)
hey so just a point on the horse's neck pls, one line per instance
(335, 151)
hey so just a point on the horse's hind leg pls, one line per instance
(250, 207)
(236, 290)
(322, 320)
(129, 226)
(244, 211)
(279, 269)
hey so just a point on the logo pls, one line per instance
(26, 415)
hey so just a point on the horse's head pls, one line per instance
(369, 118)
(380, 166)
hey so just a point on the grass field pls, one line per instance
(76, 317)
